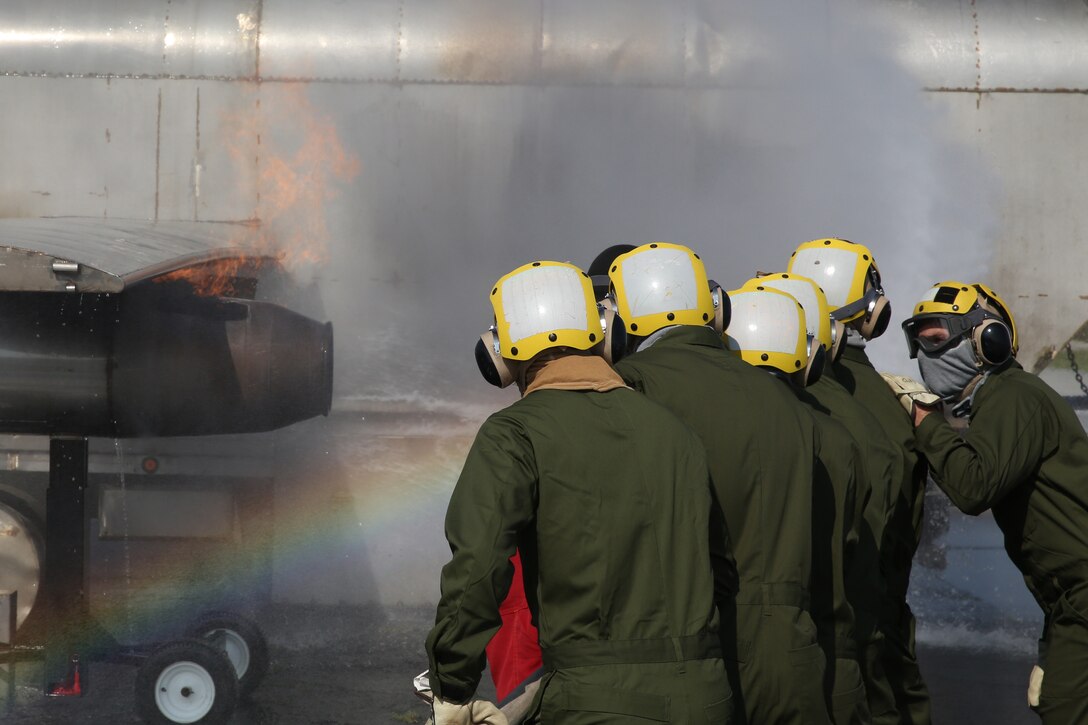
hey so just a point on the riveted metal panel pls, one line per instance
(638, 42)
(334, 40)
(483, 41)
(130, 38)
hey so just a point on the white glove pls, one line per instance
(1035, 686)
(909, 391)
(474, 712)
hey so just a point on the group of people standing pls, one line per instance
(710, 501)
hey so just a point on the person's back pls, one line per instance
(761, 454)
(607, 497)
(761, 461)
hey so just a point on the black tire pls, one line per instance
(228, 631)
(186, 681)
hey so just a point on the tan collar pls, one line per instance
(573, 372)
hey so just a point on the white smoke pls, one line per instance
(817, 131)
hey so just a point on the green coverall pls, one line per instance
(761, 450)
(607, 496)
(836, 517)
(882, 463)
(1025, 456)
(901, 536)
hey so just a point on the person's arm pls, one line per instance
(1002, 449)
(495, 496)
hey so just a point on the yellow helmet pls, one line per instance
(662, 284)
(848, 275)
(963, 309)
(538, 306)
(818, 320)
(767, 329)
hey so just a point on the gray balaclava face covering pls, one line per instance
(947, 373)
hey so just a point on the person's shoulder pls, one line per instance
(1016, 379)
(1014, 386)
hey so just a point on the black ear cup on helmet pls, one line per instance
(492, 365)
(615, 332)
(722, 309)
(817, 358)
(993, 342)
(876, 322)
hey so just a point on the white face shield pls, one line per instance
(764, 322)
(834, 270)
(659, 280)
(543, 299)
(803, 293)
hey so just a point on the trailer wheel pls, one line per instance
(241, 639)
(186, 681)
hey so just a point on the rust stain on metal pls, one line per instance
(1042, 294)
(40, 193)
(108, 139)
(1083, 297)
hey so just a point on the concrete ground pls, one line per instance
(353, 666)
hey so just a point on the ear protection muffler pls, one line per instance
(876, 320)
(613, 330)
(722, 307)
(817, 358)
(491, 363)
(992, 340)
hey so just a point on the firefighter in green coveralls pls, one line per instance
(769, 330)
(880, 462)
(1024, 456)
(848, 275)
(607, 497)
(761, 452)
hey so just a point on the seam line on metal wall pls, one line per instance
(437, 82)
(982, 91)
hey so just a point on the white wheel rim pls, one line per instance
(235, 646)
(184, 692)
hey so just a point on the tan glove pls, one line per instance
(474, 712)
(909, 391)
(1035, 686)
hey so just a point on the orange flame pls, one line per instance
(293, 189)
(226, 277)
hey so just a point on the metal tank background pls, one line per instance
(947, 136)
